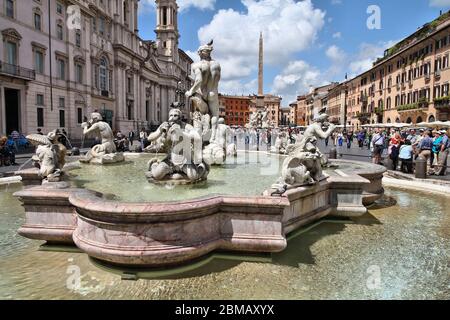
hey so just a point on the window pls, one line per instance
(130, 110)
(79, 115)
(10, 8)
(11, 53)
(437, 92)
(39, 62)
(40, 117)
(39, 99)
(61, 69)
(62, 103)
(78, 39)
(94, 23)
(101, 26)
(445, 62)
(62, 118)
(445, 89)
(79, 73)
(59, 8)
(37, 21)
(129, 85)
(59, 32)
(103, 74)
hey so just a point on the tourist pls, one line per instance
(425, 146)
(349, 139)
(415, 144)
(7, 155)
(406, 157)
(131, 136)
(377, 146)
(143, 138)
(412, 136)
(437, 140)
(361, 137)
(340, 139)
(369, 139)
(441, 168)
(394, 148)
(15, 135)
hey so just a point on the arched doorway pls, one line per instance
(409, 120)
(431, 119)
(397, 120)
(419, 120)
(389, 120)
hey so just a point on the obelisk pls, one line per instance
(260, 98)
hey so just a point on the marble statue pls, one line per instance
(304, 164)
(184, 161)
(216, 152)
(204, 93)
(281, 143)
(105, 152)
(205, 90)
(259, 119)
(49, 157)
(158, 141)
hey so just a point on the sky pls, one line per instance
(307, 43)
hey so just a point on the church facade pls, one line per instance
(103, 65)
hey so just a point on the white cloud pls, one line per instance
(336, 2)
(183, 4)
(367, 54)
(335, 54)
(288, 27)
(239, 87)
(337, 35)
(296, 78)
(439, 3)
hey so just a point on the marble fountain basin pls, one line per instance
(114, 215)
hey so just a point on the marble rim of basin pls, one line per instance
(169, 233)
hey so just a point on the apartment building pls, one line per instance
(236, 109)
(336, 101)
(301, 110)
(54, 77)
(410, 84)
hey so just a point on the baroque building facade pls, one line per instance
(104, 65)
(410, 84)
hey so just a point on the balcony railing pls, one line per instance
(413, 106)
(443, 102)
(16, 71)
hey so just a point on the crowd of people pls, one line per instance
(401, 147)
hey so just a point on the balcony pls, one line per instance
(442, 103)
(413, 107)
(16, 71)
(363, 116)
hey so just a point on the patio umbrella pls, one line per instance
(436, 124)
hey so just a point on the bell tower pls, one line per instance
(167, 27)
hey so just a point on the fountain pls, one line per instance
(198, 200)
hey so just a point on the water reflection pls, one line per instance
(407, 243)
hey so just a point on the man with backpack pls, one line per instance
(377, 146)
